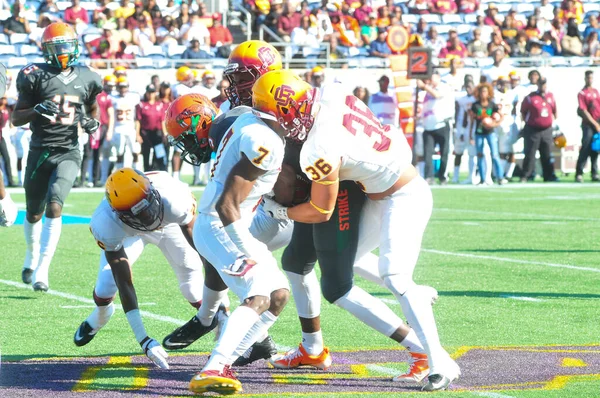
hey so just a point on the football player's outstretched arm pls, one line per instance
(119, 265)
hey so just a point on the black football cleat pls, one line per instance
(26, 275)
(263, 350)
(40, 287)
(186, 334)
(84, 334)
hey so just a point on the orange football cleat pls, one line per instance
(418, 369)
(299, 357)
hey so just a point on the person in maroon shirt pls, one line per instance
(455, 48)
(289, 20)
(76, 14)
(444, 6)
(100, 142)
(222, 97)
(589, 111)
(468, 6)
(362, 13)
(149, 122)
(538, 111)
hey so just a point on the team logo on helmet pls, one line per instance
(266, 56)
(191, 111)
(283, 95)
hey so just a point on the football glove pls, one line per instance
(89, 125)
(47, 108)
(240, 267)
(274, 209)
(155, 352)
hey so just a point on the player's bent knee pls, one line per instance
(258, 303)
(102, 301)
(53, 210)
(333, 292)
(33, 218)
(279, 299)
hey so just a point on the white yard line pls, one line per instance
(383, 369)
(117, 307)
(521, 298)
(492, 394)
(85, 300)
(511, 260)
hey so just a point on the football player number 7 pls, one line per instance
(67, 107)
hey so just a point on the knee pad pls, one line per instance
(101, 301)
(398, 284)
(307, 294)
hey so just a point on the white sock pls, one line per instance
(196, 174)
(307, 294)
(258, 332)
(100, 316)
(211, 299)
(176, 175)
(240, 321)
(313, 342)
(510, 170)
(456, 173)
(472, 168)
(368, 267)
(370, 310)
(421, 168)
(48, 242)
(33, 232)
(411, 343)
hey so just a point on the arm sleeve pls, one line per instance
(180, 203)
(263, 148)
(94, 88)
(581, 101)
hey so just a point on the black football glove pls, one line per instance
(48, 109)
(89, 125)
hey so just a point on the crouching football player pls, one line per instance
(138, 210)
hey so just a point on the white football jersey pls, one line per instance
(125, 110)
(179, 208)
(347, 132)
(250, 136)
(507, 102)
(464, 102)
(209, 93)
(180, 89)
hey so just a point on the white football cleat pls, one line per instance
(431, 292)
(441, 380)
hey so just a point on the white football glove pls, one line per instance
(155, 352)
(8, 212)
(274, 209)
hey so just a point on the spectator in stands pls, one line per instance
(438, 110)
(500, 67)
(454, 48)
(444, 6)
(434, 41)
(195, 52)
(123, 54)
(222, 97)
(126, 9)
(476, 47)
(570, 9)
(519, 47)
(362, 93)
(205, 17)
(571, 42)
(531, 29)
(418, 7)
(384, 103)
(49, 7)
(421, 27)
(589, 111)
(556, 29)
(16, 23)
(397, 13)
(368, 32)
(383, 17)
(149, 118)
(167, 34)
(468, 6)
(76, 15)
(195, 29)
(591, 47)
(123, 34)
(157, 17)
(486, 30)
(492, 18)
(306, 39)
(362, 13)
(170, 8)
(592, 26)
(105, 19)
(347, 33)
(510, 28)
(184, 16)
(133, 20)
(220, 37)
(538, 111)
(272, 19)
(288, 20)
(379, 48)
(143, 35)
(550, 44)
(546, 11)
(35, 37)
(101, 54)
(498, 42)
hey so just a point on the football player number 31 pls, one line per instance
(67, 107)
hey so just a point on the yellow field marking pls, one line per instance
(140, 374)
(460, 351)
(303, 379)
(573, 363)
(360, 370)
(559, 382)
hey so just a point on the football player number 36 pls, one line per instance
(67, 107)
(319, 170)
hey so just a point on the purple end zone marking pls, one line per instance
(481, 368)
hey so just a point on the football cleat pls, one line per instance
(299, 357)
(442, 380)
(26, 275)
(186, 334)
(430, 292)
(223, 382)
(263, 350)
(84, 334)
(418, 369)
(40, 287)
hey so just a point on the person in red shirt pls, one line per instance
(538, 111)
(100, 140)
(468, 6)
(362, 13)
(455, 48)
(288, 21)
(589, 111)
(222, 97)
(491, 16)
(219, 34)
(149, 123)
(76, 14)
(444, 6)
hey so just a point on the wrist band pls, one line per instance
(327, 182)
(320, 210)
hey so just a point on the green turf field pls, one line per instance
(514, 266)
